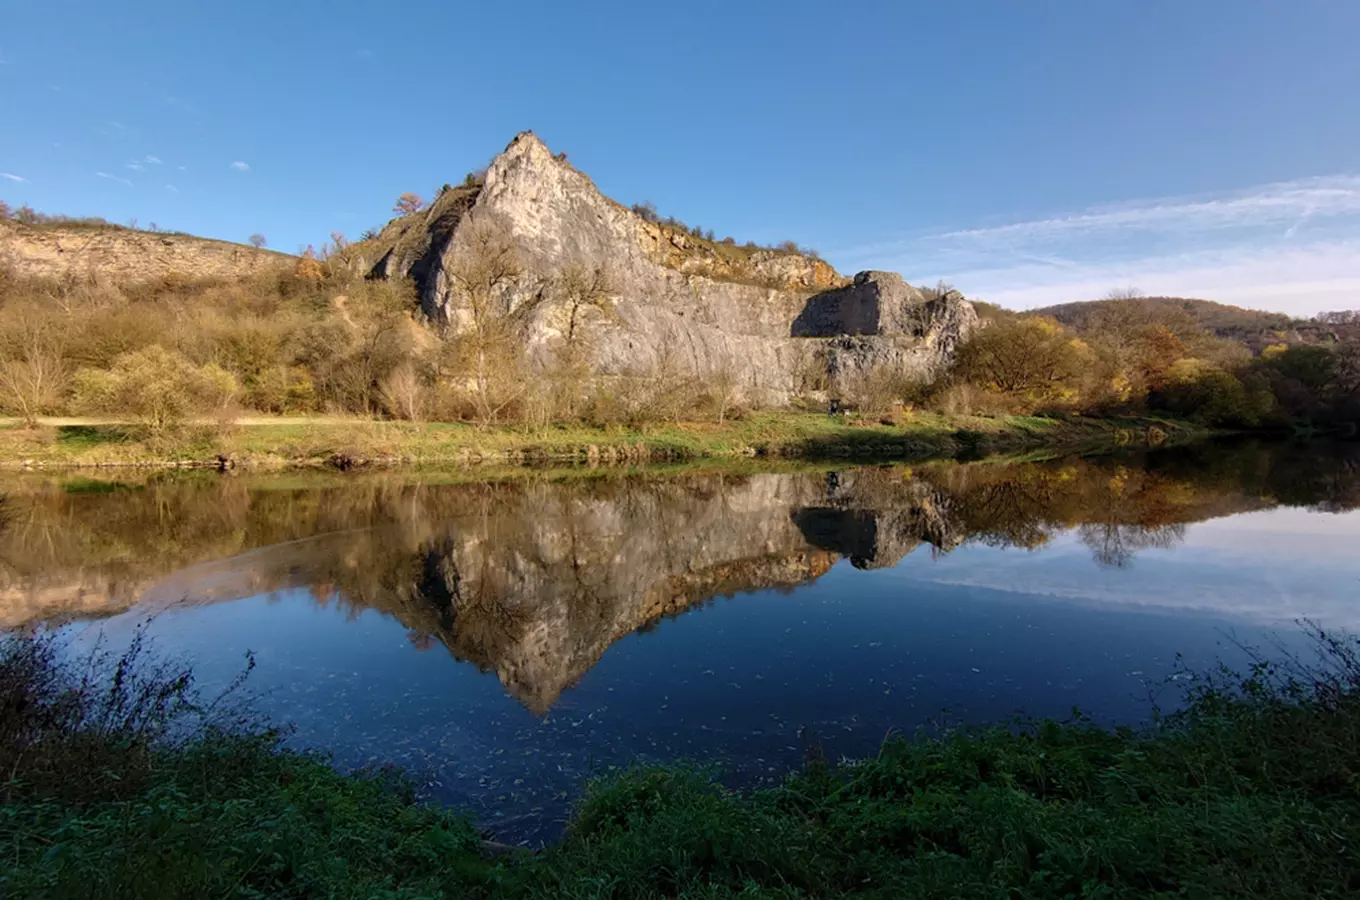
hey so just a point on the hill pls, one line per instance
(1256, 329)
(93, 247)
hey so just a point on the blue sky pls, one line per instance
(1030, 152)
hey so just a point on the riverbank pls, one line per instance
(353, 443)
(1247, 792)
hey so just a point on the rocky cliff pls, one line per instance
(126, 255)
(774, 321)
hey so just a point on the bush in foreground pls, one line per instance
(120, 781)
(1250, 791)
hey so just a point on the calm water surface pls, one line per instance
(504, 640)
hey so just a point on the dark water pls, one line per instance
(504, 640)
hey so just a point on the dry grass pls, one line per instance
(349, 441)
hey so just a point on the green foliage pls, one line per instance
(1249, 791)
(177, 797)
(1207, 393)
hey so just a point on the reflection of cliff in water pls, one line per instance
(534, 579)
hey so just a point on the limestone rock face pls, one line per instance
(767, 318)
(122, 255)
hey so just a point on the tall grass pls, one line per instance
(121, 780)
(1250, 790)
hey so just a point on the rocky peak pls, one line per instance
(677, 301)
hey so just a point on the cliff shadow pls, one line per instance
(835, 313)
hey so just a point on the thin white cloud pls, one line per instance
(1302, 280)
(182, 168)
(172, 189)
(10, 176)
(113, 178)
(179, 103)
(1290, 246)
(1283, 203)
(240, 166)
(152, 160)
(136, 167)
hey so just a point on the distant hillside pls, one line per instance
(1256, 329)
(121, 254)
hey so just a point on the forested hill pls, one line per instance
(1257, 329)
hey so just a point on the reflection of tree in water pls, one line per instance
(534, 578)
(1114, 545)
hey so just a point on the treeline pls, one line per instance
(319, 337)
(1255, 329)
(1126, 356)
(648, 211)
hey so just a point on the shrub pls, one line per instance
(1032, 361)
(158, 386)
(1209, 394)
(647, 210)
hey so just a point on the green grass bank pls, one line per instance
(264, 443)
(128, 785)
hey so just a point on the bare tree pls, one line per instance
(1125, 293)
(480, 277)
(575, 292)
(34, 382)
(403, 394)
(258, 241)
(579, 290)
(408, 203)
(724, 387)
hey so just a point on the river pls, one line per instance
(504, 639)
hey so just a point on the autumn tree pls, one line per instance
(408, 203)
(1206, 392)
(308, 267)
(1031, 360)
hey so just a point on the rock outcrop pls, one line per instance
(773, 321)
(121, 255)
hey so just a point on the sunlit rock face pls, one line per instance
(771, 320)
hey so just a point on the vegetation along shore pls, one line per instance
(521, 314)
(354, 443)
(1246, 791)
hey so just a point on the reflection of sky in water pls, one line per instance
(1269, 567)
(750, 683)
